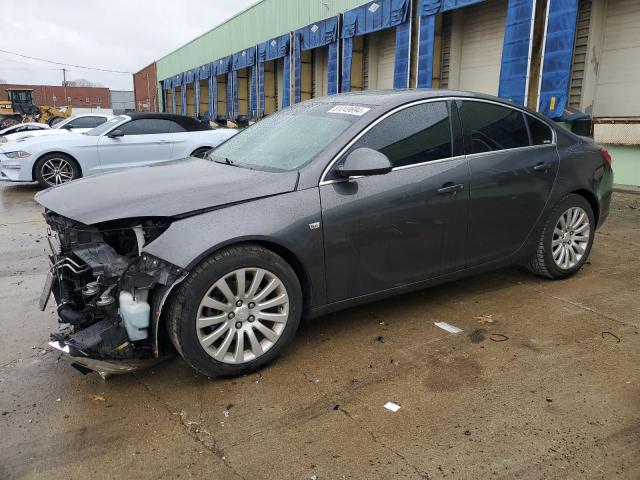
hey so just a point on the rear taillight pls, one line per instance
(606, 156)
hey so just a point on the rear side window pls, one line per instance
(540, 133)
(176, 127)
(417, 134)
(493, 127)
(145, 126)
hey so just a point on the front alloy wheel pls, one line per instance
(242, 315)
(236, 311)
(55, 169)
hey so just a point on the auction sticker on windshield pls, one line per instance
(349, 110)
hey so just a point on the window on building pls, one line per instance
(417, 134)
(493, 127)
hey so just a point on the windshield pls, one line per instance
(286, 140)
(106, 126)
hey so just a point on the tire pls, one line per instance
(200, 152)
(231, 326)
(55, 169)
(549, 261)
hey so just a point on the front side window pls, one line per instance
(493, 127)
(106, 126)
(417, 134)
(146, 126)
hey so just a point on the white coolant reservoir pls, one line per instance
(135, 313)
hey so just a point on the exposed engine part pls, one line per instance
(102, 282)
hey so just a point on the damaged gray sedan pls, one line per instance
(328, 204)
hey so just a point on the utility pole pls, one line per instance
(64, 84)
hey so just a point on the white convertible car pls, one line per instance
(76, 124)
(122, 142)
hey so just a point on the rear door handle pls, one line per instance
(450, 187)
(163, 141)
(543, 167)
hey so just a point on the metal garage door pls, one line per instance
(482, 37)
(618, 87)
(379, 59)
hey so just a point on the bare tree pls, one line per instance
(83, 82)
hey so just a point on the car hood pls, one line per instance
(167, 189)
(39, 142)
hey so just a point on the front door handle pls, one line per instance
(450, 187)
(543, 167)
(163, 141)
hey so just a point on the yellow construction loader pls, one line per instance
(19, 108)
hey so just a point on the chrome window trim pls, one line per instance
(342, 151)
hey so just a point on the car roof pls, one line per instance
(95, 114)
(188, 123)
(388, 99)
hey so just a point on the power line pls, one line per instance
(66, 64)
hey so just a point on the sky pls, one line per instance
(124, 35)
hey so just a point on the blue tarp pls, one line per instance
(272, 50)
(177, 80)
(347, 57)
(213, 96)
(244, 59)
(334, 59)
(183, 99)
(429, 7)
(453, 4)
(515, 51)
(558, 57)
(286, 82)
(372, 17)
(297, 69)
(203, 72)
(166, 84)
(223, 65)
(425, 50)
(401, 65)
(253, 104)
(316, 35)
(230, 96)
(174, 101)
(196, 110)
(190, 76)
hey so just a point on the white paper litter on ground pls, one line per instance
(394, 407)
(447, 327)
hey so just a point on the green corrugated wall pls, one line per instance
(256, 24)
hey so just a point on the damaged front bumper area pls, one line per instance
(109, 293)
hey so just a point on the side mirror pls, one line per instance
(116, 134)
(364, 161)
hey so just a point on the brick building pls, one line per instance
(54, 95)
(145, 89)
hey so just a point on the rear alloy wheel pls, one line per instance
(566, 240)
(236, 311)
(56, 169)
